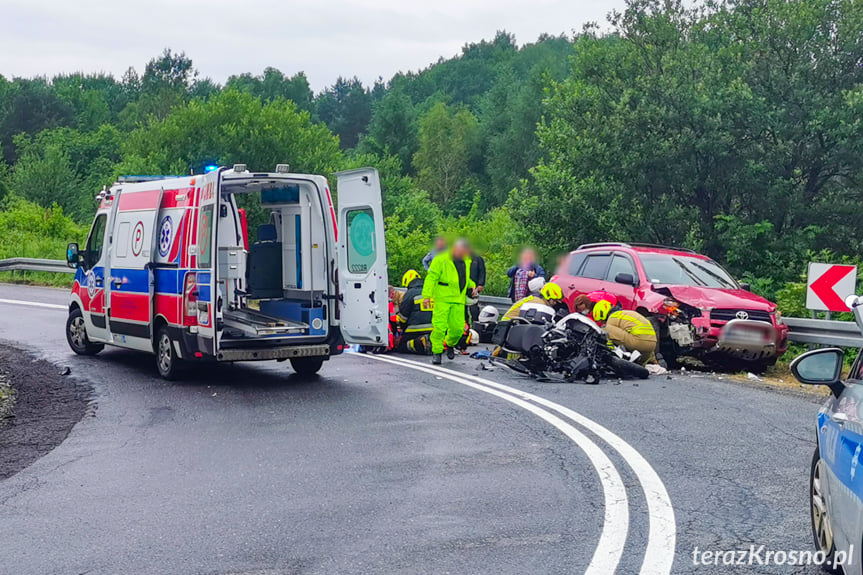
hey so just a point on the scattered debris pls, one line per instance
(752, 376)
(65, 370)
(655, 369)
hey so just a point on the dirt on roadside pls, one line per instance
(46, 407)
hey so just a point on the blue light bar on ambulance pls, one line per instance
(210, 168)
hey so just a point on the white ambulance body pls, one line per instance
(168, 269)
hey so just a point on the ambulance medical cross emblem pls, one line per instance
(166, 232)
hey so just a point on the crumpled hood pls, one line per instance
(716, 298)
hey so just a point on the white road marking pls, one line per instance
(616, 523)
(35, 304)
(662, 535)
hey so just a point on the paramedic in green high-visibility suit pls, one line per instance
(446, 287)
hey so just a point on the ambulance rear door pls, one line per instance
(205, 248)
(362, 258)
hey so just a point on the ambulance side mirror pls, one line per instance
(73, 259)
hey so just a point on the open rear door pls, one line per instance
(362, 259)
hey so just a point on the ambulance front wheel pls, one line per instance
(167, 362)
(76, 335)
(307, 365)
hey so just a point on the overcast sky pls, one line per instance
(325, 38)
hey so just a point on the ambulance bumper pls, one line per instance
(265, 353)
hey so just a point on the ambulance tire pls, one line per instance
(76, 335)
(168, 364)
(307, 365)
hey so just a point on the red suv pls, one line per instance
(697, 307)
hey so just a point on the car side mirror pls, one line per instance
(745, 286)
(820, 367)
(625, 279)
(73, 259)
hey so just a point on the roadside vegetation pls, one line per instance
(730, 128)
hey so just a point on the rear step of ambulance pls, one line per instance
(255, 324)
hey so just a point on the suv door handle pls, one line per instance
(839, 417)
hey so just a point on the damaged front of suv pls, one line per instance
(702, 312)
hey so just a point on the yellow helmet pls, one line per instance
(551, 291)
(409, 276)
(601, 309)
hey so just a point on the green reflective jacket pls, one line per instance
(441, 283)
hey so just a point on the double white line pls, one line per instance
(662, 534)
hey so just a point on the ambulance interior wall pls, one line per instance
(300, 229)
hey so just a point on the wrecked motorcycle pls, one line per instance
(571, 349)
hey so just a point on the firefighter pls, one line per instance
(541, 294)
(447, 285)
(627, 328)
(414, 318)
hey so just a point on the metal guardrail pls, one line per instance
(35, 265)
(501, 303)
(802, 330)
(824, 332)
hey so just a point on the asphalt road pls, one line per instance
(378, 467)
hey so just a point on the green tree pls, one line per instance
(346, 109)
(393, 128)
(47, 178)
(232, 127)
(447, 140)
(167, 82)
(681, 115)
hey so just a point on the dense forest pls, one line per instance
(731, 127)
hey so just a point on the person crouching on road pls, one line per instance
(415, 319)
(541, 294)
(627, 328)
(447, 284)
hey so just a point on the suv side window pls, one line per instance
(95, 241)
(595, 266)
(620, 265)
(857, 368)
(575, 262)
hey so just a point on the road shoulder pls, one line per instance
(47, 406)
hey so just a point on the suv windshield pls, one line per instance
(684, 270)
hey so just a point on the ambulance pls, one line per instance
(169, 268)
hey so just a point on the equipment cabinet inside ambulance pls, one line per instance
(170, 268)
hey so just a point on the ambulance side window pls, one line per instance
(95, 241)
(205, 237)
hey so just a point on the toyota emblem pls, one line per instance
(742, 315)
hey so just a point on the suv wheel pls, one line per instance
(76, 335)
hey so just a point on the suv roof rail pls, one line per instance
(662, 247)
(633, 245)
(604, 245)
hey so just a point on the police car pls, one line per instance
(836, 476)
(169, 268)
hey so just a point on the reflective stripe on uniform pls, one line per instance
(641, 326)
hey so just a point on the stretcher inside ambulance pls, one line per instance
(171, 267)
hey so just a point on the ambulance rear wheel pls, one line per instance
(307, 365)
(76, 335)
(167, 362)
